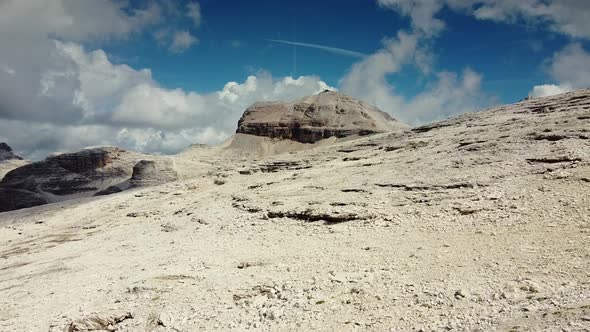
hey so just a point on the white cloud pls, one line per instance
(421, 12)
(103, 103)
(367, 79)
(193, 11)
(59, 96)
(568, 17)
(546, 90)
(570, 68)
(449, 95)
(148, 105)
(76, 20)
(182, 41)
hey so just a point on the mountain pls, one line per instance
(313, 121)
(6, 153)
(314, 118)
(475, 223)
(89, 172)
(9, 160)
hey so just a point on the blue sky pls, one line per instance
(159, 75)
(233, 44)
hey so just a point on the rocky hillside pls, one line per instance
(314, 118)
(476, 223)
(271, 129)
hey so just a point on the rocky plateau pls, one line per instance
(304, 221)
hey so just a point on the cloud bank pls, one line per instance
(56, 95)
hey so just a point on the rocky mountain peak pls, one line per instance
(316, 117)
(6, 153)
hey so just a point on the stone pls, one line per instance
(317, 117)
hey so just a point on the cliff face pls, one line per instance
(62, 176)
(317, 117)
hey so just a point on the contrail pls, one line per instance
(335, 50)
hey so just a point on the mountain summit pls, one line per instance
(316, 117)
(6, 153)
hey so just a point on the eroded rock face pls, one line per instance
(6, 153)
(317, 117)
(64, 176)
(152, 173)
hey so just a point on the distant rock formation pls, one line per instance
(9, 160)
(65, 176)
(6, 153)
(316, 117)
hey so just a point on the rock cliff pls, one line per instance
(66, 176)
(316, 117)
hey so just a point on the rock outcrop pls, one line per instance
(316, 117)
(152, 173)
(6, 153)
(66, 176)
(9, 160)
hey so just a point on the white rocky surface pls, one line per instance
(477, 223)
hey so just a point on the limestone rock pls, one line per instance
(316, 117)
(152, 173)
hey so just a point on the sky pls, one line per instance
(156, 76)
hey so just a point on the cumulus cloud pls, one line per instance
(446, 94)
(118, 105)
(450, 94)
(174, 39)
(76, 20)
(568, 17)
(182, 41)
(367, 79)
(421, 12)
(570, 68)
(56, 95)
(546, 90)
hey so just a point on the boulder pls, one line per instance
(317, 117)
(152, 173)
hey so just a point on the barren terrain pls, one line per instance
(477, 223)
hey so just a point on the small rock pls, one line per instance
(460, 294)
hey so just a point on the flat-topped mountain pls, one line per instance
(314, 118)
